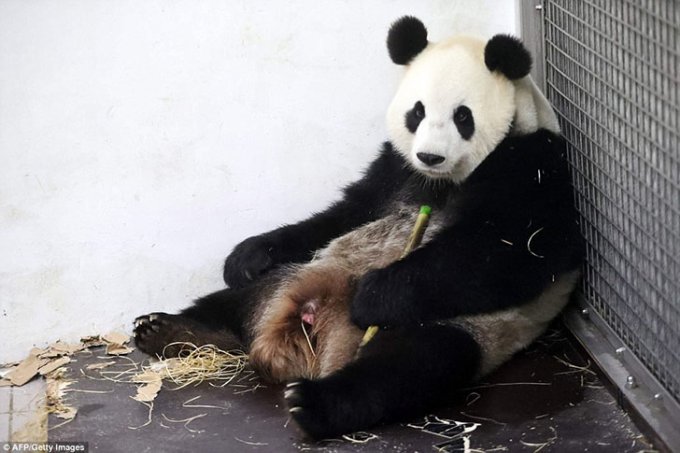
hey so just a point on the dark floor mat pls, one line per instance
(547, 399)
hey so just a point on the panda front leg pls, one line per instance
(399, 375)
(306, 331)
(362, 202)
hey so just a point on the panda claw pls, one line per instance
(293, 384)
(295, 410)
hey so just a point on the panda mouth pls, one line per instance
(445, 171)
(437, 173)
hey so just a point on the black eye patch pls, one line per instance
(462, 118)
(415, 116)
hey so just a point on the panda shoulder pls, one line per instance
(541, 149)
(545, 150)
(518, 159)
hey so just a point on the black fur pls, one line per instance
(232, 309)
(507, 55)
(400, 373)
(406, 39)
(430, 159)
(220, 318)
(509, 230)
(362, 202)
(414, 116)
(479, 263)
(155, 334)
(464, 121)
(469, 267)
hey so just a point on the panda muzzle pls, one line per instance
(430, 159)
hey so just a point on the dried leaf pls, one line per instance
(54, 393)
(146, 376)
(9, 365)
(117, 349)
(61, 348)
(118, 338)
(53, 365)
(100, 365)
(26, 370)
(92, 341)
(37, 351)
(148, 392)
(66, 412)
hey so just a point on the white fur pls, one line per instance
(532, 109)
(503, 333)
(445, 76)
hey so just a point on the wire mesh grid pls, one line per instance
(611, 72)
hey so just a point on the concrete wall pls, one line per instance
(141, 141)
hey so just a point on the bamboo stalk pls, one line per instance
(413, 241)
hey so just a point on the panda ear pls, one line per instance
(406, 39)
(507, 55)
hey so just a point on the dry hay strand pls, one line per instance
(195, 364)
(210, 406)
(186, 422)
(541, 445)
(148, 419)
(529, 243)
(254, 444)
(576, 368)
(359, 437)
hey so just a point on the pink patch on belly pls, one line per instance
(308, 318)
(308, 311)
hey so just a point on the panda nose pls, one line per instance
(430, 159)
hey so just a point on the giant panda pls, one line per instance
(469, 135)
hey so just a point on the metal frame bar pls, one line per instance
(641, 390)
(531, 32)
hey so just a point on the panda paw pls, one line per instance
(249, 260)
(308, 407)
(155, 331)
(386, 300)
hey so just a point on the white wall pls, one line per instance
(140, 141)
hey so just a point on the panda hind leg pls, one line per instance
(164, 335)
(399, 375)
(219, 319)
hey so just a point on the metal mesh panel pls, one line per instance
(611, 72)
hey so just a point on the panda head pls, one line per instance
(458, 98)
